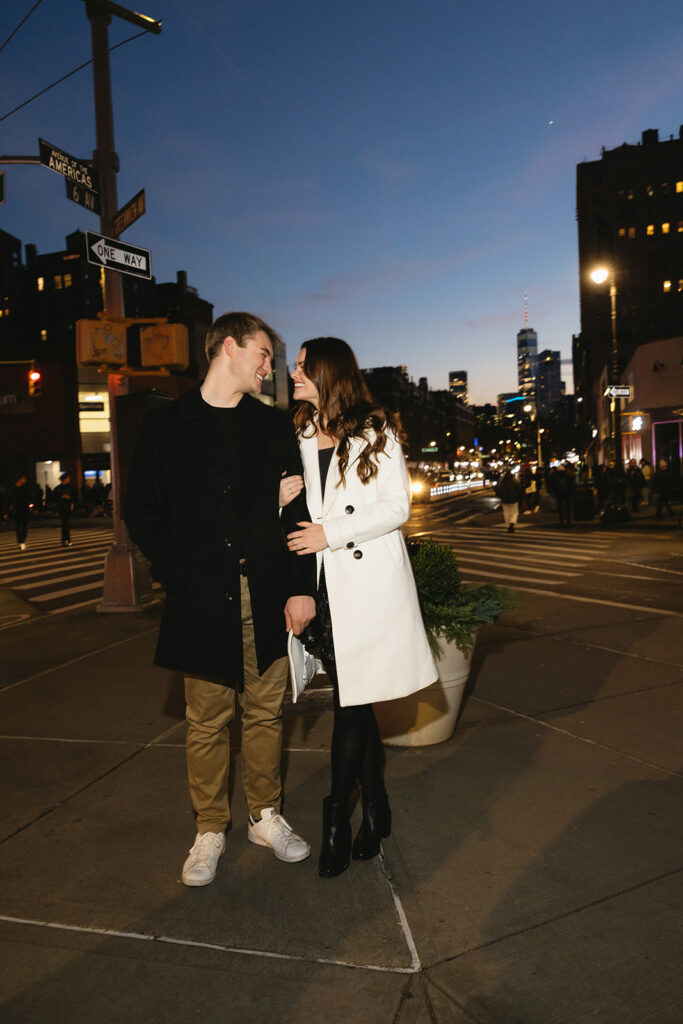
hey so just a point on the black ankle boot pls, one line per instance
(334, 855)
(375, 827)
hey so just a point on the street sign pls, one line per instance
(618, 391)
(129, 213)
(83, 196)
(115, 255)
(79, 171)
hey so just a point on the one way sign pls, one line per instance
(115, 255)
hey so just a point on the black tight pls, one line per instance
(356, 748)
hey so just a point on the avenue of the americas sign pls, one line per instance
(116, 255)
(78, 171)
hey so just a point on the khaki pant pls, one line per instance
(210, 709)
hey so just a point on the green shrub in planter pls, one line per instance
(450, 610)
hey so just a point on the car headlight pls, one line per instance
(416, 487)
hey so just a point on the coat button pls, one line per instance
(349, 510)
(350, 544)
(358, 554)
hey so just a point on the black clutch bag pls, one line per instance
(317, 636)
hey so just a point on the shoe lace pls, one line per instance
(204, 846)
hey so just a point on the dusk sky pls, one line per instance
(396, 173)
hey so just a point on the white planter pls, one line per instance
(428, 716)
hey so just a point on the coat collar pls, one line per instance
(195, 420)
(309, 456)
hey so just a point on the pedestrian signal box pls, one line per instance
(35, 382)
(164, 345)
(100, 343)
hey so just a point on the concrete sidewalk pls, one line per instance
(533, 874)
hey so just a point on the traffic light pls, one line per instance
(101, 343)
(164, 345)
(35, 382)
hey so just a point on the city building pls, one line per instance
(457, 384)
(527, 355)
(65, 425)
(549, 388)
(629, 206)
(436, 423)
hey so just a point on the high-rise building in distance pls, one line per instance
(457, 384)
(527, 354)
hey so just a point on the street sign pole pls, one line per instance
(127, 581)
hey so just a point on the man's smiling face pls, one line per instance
(252, 361)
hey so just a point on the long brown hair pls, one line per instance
(346, 408)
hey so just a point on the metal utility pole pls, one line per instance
(616, 402)
(127, 582)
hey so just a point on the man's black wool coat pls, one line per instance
(180, 501)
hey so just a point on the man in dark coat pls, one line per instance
(19, 504)
(63, 496)
(202, 505)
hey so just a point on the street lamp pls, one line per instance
(599, 276)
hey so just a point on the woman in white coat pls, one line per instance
(368, 631)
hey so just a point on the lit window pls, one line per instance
(679, 186)
(631, 232)
(629, 193)
(666, 227)
(43, 335)
(665, 188)
(40, 281)
(680, 226)
(667, 287)
(622, 232)
(58, 282)
(650, 229)
(67, 280)
(680, 284)
(650, 190)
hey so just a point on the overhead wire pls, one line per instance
(22, 22)
(64, 77)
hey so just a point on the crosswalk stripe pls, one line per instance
(497, 576)
(62, 579)
(466, 559)
(59, 560)
(48, 572)
(53, 595)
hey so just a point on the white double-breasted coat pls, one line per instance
(380, 644)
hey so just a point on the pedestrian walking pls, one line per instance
(601, 483)
(202, 505)
(63, 497)
(646, 470)
(18, 504)
(508, 490)
(368, 631)
(635, 481)
(663, 487)
(563, 486)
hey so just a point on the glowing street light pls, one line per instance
(599, 275)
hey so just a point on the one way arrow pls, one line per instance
(115, 255)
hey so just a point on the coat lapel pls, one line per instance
(309, 457)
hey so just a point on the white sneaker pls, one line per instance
(200, 866)
(273, 831)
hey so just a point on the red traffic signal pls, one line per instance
(35, 382)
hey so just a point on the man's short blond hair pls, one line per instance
(238, 326)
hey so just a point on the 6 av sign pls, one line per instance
(116, 255)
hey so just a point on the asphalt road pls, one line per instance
(637, 566)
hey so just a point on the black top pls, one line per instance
(324, 460)
(226, 423)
